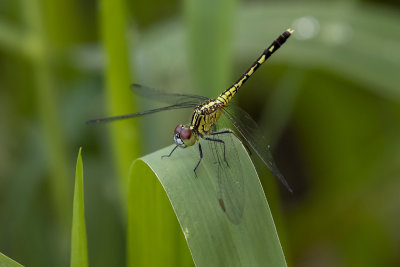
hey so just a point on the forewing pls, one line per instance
(165, 97)
(230, 189)
(249, 129)
(181, 105)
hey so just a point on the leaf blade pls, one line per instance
(213, 239)
(7, 262)
(79, 254)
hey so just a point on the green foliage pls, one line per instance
(79, 254)
(330, 105)
(124, 135)
(7, 262)
(222, 212)
(209, 41)
(154, 237)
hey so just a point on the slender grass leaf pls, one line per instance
(209, 42)
(45, 76)
(7, 262)
(79, 254)
(119, 99)
(222, 212)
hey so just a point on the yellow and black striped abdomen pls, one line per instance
(206, 115)
(224, 98)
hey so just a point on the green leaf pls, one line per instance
(7, 262)
(79, 255)
(119, 99)
(209, 42)
(222, 212)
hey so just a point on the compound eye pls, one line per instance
(185, 133)
(178, 129)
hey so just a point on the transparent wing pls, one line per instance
(230, 189)
(177, 101)
(188, 104)
(165, 97)
(248, 128)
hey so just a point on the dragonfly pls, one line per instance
(207, 111)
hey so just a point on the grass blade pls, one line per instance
(7, 262)
(79, 254)
(119, 99)
(209, 42)
(225, 222)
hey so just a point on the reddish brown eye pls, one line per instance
(178, 129)
(186, 133)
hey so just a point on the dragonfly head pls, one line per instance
(183, 136)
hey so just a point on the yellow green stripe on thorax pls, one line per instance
(205, 116)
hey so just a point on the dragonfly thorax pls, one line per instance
(184, 136)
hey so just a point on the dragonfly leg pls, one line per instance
(198, 163)
(169, 155)
(219, 141)
(232, 132)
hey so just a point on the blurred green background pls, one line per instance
(329, 100)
